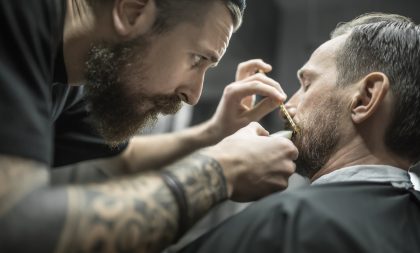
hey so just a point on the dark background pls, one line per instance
(284, 33)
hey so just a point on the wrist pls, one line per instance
(203, 183)
(225, 162)
(211, 132)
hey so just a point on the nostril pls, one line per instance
(184, 97)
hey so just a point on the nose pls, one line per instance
(292, 104)
(190, 93)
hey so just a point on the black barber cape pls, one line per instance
(41, 117)
(338, 217)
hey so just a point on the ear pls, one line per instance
(133, 17)
(370, 95)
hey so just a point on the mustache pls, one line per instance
(166, 104)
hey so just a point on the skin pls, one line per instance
(368, 107)
(113, 205)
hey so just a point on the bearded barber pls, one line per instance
(137, 58)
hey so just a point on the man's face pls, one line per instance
(130, 83)
(319, 109)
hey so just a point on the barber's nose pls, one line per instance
(190, 93)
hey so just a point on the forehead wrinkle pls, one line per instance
(222, 27)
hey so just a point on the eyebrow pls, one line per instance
(212, 57)
(301, 74)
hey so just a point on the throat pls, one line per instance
(358, 154)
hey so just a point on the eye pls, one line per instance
(306, 86)
(198, 60)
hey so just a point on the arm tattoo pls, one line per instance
(126, 216)
(136, 214)
(139, 215)
(204, 183)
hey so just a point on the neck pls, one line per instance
(77, 38)
(357, 152)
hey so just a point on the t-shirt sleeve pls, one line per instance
(29, 30)
(75, 138)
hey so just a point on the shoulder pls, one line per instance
(340, 217)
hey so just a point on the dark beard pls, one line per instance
(318, 137)
(117, 109)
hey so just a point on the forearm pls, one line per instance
(156, 151)
(138, 214)
(143, 153)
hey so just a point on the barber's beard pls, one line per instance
(120, 109)
(318, 136)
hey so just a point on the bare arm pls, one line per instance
(157, 151)
(127, 215)
(152, 152)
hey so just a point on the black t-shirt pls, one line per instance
(41, 117)
(340, 217)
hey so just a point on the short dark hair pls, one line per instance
(389, 44)
(173, 12)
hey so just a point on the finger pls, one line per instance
(236, 92)
(250, 67)
(289, 148)
(249, 101)
(288, 168)
(263, 108)
(255, 127)
(267, 80)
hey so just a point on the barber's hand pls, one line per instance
(236, 108)
(254, 163)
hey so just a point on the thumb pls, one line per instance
(258, 129)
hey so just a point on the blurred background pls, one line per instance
(283, 33)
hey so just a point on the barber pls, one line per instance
(136, 58)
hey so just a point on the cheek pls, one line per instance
(313, 99)
(168, 81)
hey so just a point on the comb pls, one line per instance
(286, 114)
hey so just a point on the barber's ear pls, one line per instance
(368, 98)
(133, 17)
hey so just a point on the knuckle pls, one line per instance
(290, 168)
(255, 84)
(254, 124)
(242, 65)
(228, 90)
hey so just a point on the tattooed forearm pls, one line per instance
(136, 214)
(139, 215)
(126, 216)
(204, 183)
